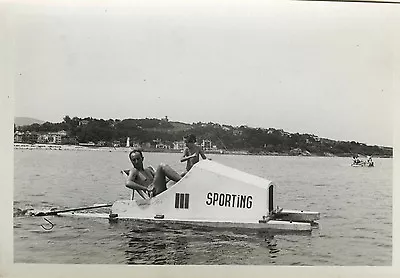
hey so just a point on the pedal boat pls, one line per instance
(212, 194)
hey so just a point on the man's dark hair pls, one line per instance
(136, 151)
(190, 138)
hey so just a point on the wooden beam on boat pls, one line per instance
(286, 225)
(297, 215)
(271, 225)
(85, 215)
(55, 212)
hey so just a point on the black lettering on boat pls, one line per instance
(221, 200)
(249, 202)
(229, 200)
(243, 201)
(209, 198)
(233, 201)
(215, 198)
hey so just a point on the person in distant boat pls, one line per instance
(146, 179)
(191, 153)
(356, 159)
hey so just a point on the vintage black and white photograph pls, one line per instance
(203, 133)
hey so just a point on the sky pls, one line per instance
(319, 68)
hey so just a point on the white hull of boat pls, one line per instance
(270, 225)
(296, 221)
(286, 220)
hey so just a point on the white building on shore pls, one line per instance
(162, 146)
(179, 145)
(206, 145)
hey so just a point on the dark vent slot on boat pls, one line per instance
(177, 200)
(186, 201)
(271, 198)
(182, 200)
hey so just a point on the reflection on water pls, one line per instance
(152, 246)
(355, 226)
(174, 244)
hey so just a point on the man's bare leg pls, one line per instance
(170, 173)
(163, 171)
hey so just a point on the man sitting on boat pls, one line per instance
(146, 179)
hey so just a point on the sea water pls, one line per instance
(355, 204)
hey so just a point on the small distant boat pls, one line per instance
(363, 164)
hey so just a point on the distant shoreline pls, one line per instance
(22, 146)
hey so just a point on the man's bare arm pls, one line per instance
(186, 155)
(201, 152)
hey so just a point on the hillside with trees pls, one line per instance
(224, 137)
